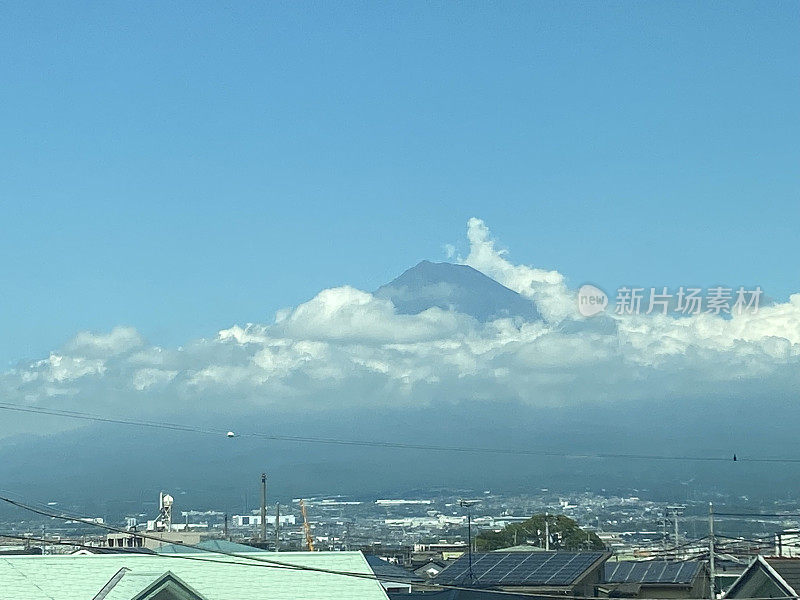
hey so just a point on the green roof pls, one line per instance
(126, 576)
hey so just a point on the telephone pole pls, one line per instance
(277, 527)
(676, 534)
(469, 504)
(546, 532)
(263, 507)
(677, 511)
(712, 585)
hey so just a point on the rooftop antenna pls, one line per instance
(468, 504)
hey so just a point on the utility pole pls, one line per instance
(277, 527)
(712, 585)
(468, 504)
(546, 532)
(225, 530)
(676, 533)
(263, 507)
(677, 511)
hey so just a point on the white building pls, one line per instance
(255, 520)
(787, 543)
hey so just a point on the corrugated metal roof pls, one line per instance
(82, 577)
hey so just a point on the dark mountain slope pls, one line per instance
(455, 287)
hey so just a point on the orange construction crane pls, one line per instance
(307, 527)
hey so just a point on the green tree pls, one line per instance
(565, 534)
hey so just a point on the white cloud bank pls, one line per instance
(344, 345)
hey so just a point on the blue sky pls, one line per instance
(183, 168)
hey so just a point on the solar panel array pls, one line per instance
(653, 571)
(520, 568)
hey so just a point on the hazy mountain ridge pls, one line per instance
(115, 461)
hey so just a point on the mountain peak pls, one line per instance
(455, 287)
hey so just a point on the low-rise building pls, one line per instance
(255, 520)
(153, 541)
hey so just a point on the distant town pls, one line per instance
(414, 543)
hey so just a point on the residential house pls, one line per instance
(655, 579)
(550, 573)
(190, 576)
(768, 577)
(393, 578)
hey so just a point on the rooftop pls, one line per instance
(521, 568)
(390, 572)
(652, 572)
(210, 577)
(788, 569)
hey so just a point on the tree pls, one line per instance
(565, 534)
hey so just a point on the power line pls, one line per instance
(123, 551)
(258, 560)
(751, 515)
(382, 444)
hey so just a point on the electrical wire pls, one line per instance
(260, 560)
(382, 444)
(123, 551)
(751, 515)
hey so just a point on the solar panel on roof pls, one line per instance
(652, 572)
(513, 568)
